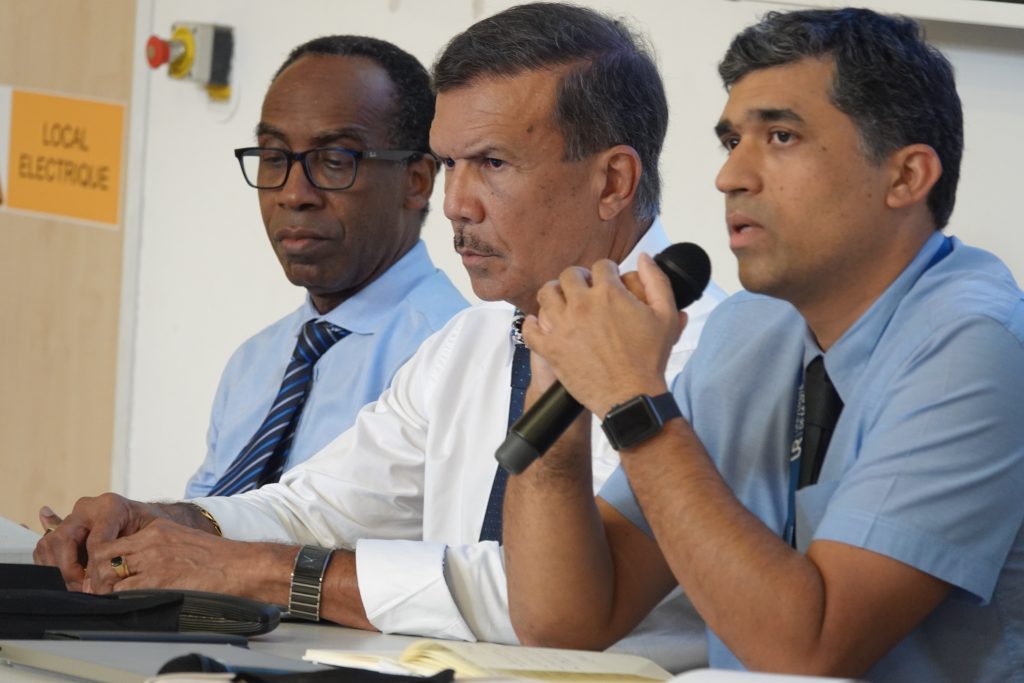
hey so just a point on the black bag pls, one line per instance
(31, 604)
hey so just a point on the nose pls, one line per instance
(740, 173)
(298, 193)
(461, 197)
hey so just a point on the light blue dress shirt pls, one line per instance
(926, 464)
(388, 320)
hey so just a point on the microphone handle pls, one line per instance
(551, 415)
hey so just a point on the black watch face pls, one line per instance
(635, 421)
(309, 563)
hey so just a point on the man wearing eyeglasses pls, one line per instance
(343, 178)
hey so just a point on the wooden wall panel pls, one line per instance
(60, 281)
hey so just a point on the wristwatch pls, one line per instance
(638, 419)
(307, 579)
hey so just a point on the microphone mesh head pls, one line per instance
(689, 270)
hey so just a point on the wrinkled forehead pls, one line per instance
(520, 107)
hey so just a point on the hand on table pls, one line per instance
(93, 521)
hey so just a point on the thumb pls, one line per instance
(657, 288)
(48, 519)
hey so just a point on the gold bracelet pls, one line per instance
(206, 513)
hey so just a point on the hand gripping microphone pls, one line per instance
(689, 270)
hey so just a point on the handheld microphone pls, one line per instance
(689, 270)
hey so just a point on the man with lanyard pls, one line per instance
(872, 337)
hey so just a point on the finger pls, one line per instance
(541, 375)
(102, 577)
(48, 519)
(656, 285)
(112, 562)
(61, 549)
(104, 531)
(631, 280)
(550, 295)
(606, 271)
(574, 279)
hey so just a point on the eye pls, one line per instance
(271, 157)
(448, 162)
(730, 142)
(493, 163)
(782, 136)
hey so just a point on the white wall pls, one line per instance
(207, 278)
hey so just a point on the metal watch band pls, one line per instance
(307, 580)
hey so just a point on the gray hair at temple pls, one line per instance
(612, 93)
(897, 89)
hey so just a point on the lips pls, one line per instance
(470, 248)
(740, 222)
(743, 229)
(296, 240)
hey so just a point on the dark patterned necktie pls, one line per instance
(491, 530)
(822, 406)
(262, 460)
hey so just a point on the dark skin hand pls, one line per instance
(96, 521)
(174, 546)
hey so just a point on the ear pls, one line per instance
(419, 182)
(916, 169)
(620, 169)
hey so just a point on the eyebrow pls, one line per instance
(725, 126)
(320, 139)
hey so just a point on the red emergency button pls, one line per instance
(158, 51)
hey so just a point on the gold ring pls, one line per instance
(120, 566)
(49, 530)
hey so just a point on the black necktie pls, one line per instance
(262, 460)
(491, 529)
(822, 408)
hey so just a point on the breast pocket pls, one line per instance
(811, 503)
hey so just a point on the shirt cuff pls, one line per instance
(243, 521)
(403, 589)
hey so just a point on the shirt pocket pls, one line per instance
(811, 504)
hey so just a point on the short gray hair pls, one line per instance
(612, 93)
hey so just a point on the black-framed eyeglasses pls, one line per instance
(326, 168)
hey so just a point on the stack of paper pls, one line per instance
(16, 542)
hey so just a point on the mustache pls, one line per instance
(461, 241)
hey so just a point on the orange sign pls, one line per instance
(65, 156)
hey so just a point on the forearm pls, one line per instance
(557, 559)
(268, 578)
(764, 599)
(263, 571)
(340, 601)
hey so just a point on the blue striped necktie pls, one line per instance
(491, 529)
(262, 460)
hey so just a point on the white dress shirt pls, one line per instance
(408, 485)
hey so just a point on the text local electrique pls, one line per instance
(55, 170)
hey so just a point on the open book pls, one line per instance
(487, 660)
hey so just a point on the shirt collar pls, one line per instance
(373, 306)
(652, 242)
(846, 359)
